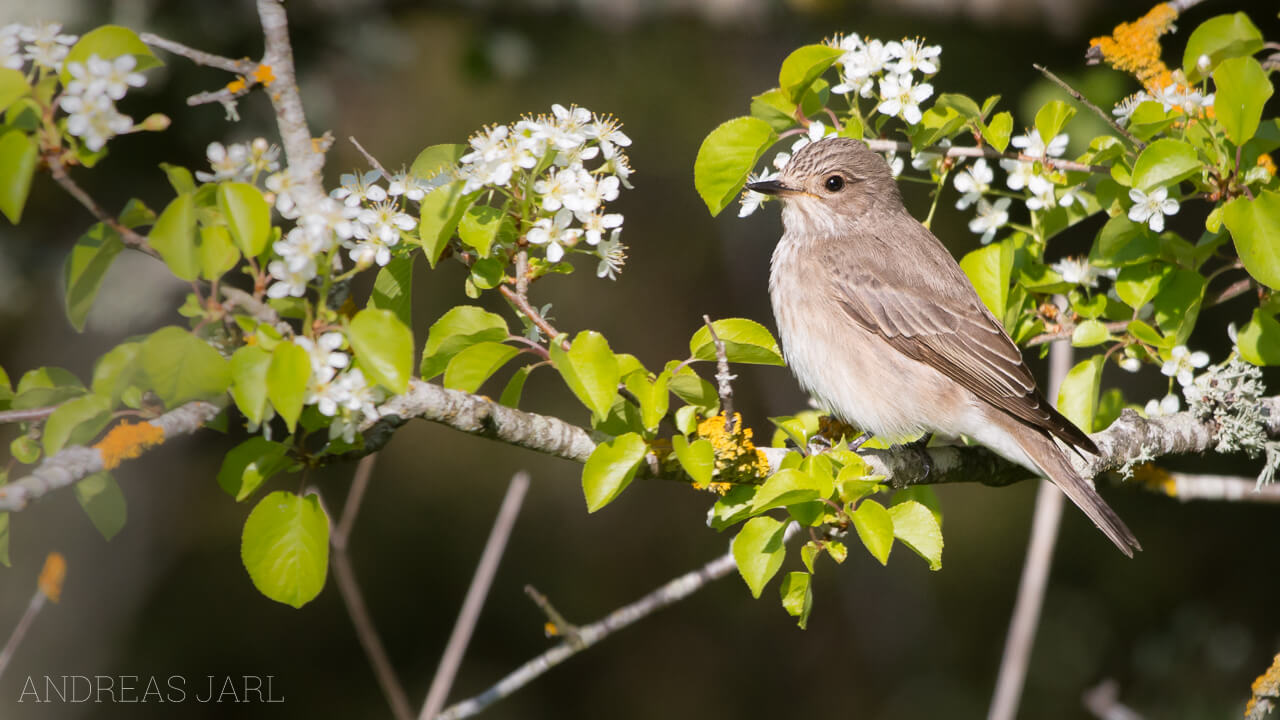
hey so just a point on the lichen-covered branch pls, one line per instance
(1266, 693)
(126, 441)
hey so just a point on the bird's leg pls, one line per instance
(921, 448)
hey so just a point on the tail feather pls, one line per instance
(1056, 467)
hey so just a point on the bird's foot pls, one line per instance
(921, 448)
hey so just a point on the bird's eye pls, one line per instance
(835, 183)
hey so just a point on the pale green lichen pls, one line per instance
(1228, 396)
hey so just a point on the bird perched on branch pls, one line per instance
(881, 325)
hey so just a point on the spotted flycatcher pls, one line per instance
(882, 327)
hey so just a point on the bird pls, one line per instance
(879, 325)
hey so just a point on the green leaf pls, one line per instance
(384, 348)
(727, 156)
(1177, 305)
(590, 370)
(611, 468)
(103, 502)
(745, 341)
(1255, 228)
(45, 386)
(773, 107)
(515, 386)
(1165, 162)
(1259, 339)
(997, 131)
(249, 366)
(431, 161)
(1219, 38)
(457, 329)
(1148, 334)
(1051, 117)
(788, 487)
(797, 597)
(1078, 396)
(1123, 242)
(116, 370)
(180, 179)
(25, 449)
(288, 375)
(218, 254)
(758, 551)
(917, 527)
(698, 458)
(1242, 90)
(86, 266)
(440, 211)
(691, 388)
(250, 464)
(4, 540)
(1138, 284)
(13, 85)
(962, 104)
(248, 216)
(989, 269)
(481, 225)
(393, 289)
(76, 422)
(285, 547)
(652, 394)
(468, 370)
(803, 66)
(174, 237)
(109, 42)
(1090, 333)
(18, 154)
(136, 214)
(182, 367)
(875, 529)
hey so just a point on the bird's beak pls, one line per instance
(771, 187)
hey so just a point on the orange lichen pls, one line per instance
(263, 74)
(1135, 47)
(1156, 478)
(127, 441)
(238, 85)
(1265, 687)
(1265, 161)
(51, 577)
(737, 457)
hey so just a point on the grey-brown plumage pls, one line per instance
(882, 326)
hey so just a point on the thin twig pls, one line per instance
(48, 587)
(987, 151)
(28, 415)
(474, 602)
(1230, 292)
(1221, 488)
(1080, 98)
(522, 304)
(724, 380)
(559, 625)
(1035, 574)
(63, 178)
(1069, 329)
(353, 599)
(669, 594)
(373, 161)
(243, 66)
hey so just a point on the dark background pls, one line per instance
(1183, 629)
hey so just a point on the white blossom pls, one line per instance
(1078, 271)
(555, 233)
(1124, 109)
(899, 97)
(11, 47)
(239, 161)
(613, 255)
(990, 217)
(1032, 145)
(896, 163)
(1130, 364)
(972, 183)
(1152, 208)
(1167, 405)
(47, 45)
(356, 190)
(1183, 363)
(914, 55)
(94, 119)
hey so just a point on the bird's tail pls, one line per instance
(1055, 465)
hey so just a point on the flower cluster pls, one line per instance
(337, 389)
(44, 44)
(868, 65)
(89, 99)
(549, 154)
(240, 162)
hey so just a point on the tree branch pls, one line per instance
(474, 601)
(243, 66)
(987, 151)
(1266, 693)
(63, 178)
(588, 635)
(1080, 98)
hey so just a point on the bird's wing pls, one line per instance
(954, 333)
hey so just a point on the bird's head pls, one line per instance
(832, 180)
